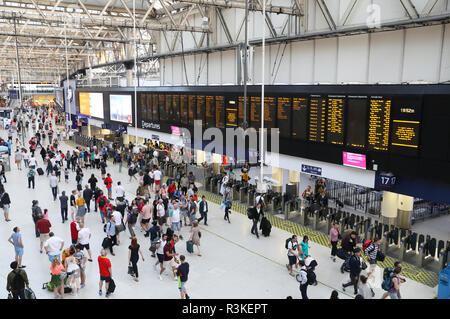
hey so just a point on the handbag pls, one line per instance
(222, 206)
(199, 234)
(130, 269)
(63, 276)
(120, 228)
(363, 265)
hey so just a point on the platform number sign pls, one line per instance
(387, 180)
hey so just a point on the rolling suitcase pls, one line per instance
(190, 246)
(266, 226)
(40, 171)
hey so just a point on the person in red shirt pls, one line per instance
(74, 228)
(104, 265)
(171, 189)
(43, 225)
(108, 183)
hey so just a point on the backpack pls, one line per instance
(287, 243)
(133, 218)
(108, 212)
(367, 244)
(102, 202)
(387, 272)
(250, 212)
(310, 277)
(18, 283)
(387, 284)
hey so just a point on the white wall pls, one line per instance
(163, 137)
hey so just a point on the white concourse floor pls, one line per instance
(234, 263)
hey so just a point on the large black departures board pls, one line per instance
(210, 111)
(284, 116)
(356, 121)
(184, 109)
(379, 123)
(335, 120)
(220, 111)
(317, 118)
(201, 102)
(406, 116)
(231, 112)
(299, 118)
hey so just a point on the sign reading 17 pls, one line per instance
(387, 180)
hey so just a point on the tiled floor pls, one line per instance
(234, 263)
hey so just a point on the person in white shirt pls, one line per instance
(157, 176)
(53, 246)
(32, 163)
(120, 192)
(152, 180)
(26, 158)
(54, 186)
(160, 212)
(118, 221)
(304, 279)
(224, 183)
(18, 156)
(175, 218)
(84, 235)
(160, 254)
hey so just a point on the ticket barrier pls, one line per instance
(207, 184)
(431, 254)
(243, 193)
(251, 195)
(236, 186)
(215, 179)
(408, 247)
(274, 203)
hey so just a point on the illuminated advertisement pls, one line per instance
(354, 160)
(120, 108)
(96, 104)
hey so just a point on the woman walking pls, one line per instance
(133, 256)
(195, 236)
(227, 201)
(334, 238)
(5, 203)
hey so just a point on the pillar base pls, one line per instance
(388, 220)
(404, 219)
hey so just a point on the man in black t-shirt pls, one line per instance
(182, 273)
(73, 205)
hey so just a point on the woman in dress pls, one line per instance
(73, 270)
(195, 236)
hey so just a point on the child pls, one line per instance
(66, 175)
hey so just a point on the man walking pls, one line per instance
(292, 253)
(87, 195)
(53, 246)
(16, 241)
(348, 244)
(63, 199)
(84, 235)
(16, 281)
(111, 234)
(30, 174)
(257, 213)
(203, 210)
(304, 281)
(104, 265)
(182, 273)
(54, 186)
(355, 270)
(43, 226)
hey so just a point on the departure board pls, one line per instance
(192, 108)
(155, 109)
(317, 119)
(231, 112)
(175, 109)
(299, 118)
(169, 106)
(270, 112)
(406, 116)
(220, 111)
(183, 109)
(335, 120)
(241, 109)
(379, 121)
(255, 112)
(143, 105)
(356, 122)
(210, 112)
(201, 100)
(149, 113)
(284, 116)
(162, 107)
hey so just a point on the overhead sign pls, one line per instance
(155, 137)
(175, 130)
(314, 170)
(387, 180)
(354, 160)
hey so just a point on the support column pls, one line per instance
(200, 157)
(389, 208)
(404, 210)
(294, 178)
(89, 129)
(277, 175)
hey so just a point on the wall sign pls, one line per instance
(314, 170)
(354, 160)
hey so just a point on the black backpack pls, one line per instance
(133, 218)
(287, 242)
(250, 212)
(18, 283)
(310, 276)
(102, 202)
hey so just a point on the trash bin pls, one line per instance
(443, 289)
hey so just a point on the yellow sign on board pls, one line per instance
(84, 103)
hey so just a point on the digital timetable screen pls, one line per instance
(379, 122)
(359, 122)
(335, 120)
(317, 119)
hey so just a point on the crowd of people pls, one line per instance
(160, 210)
